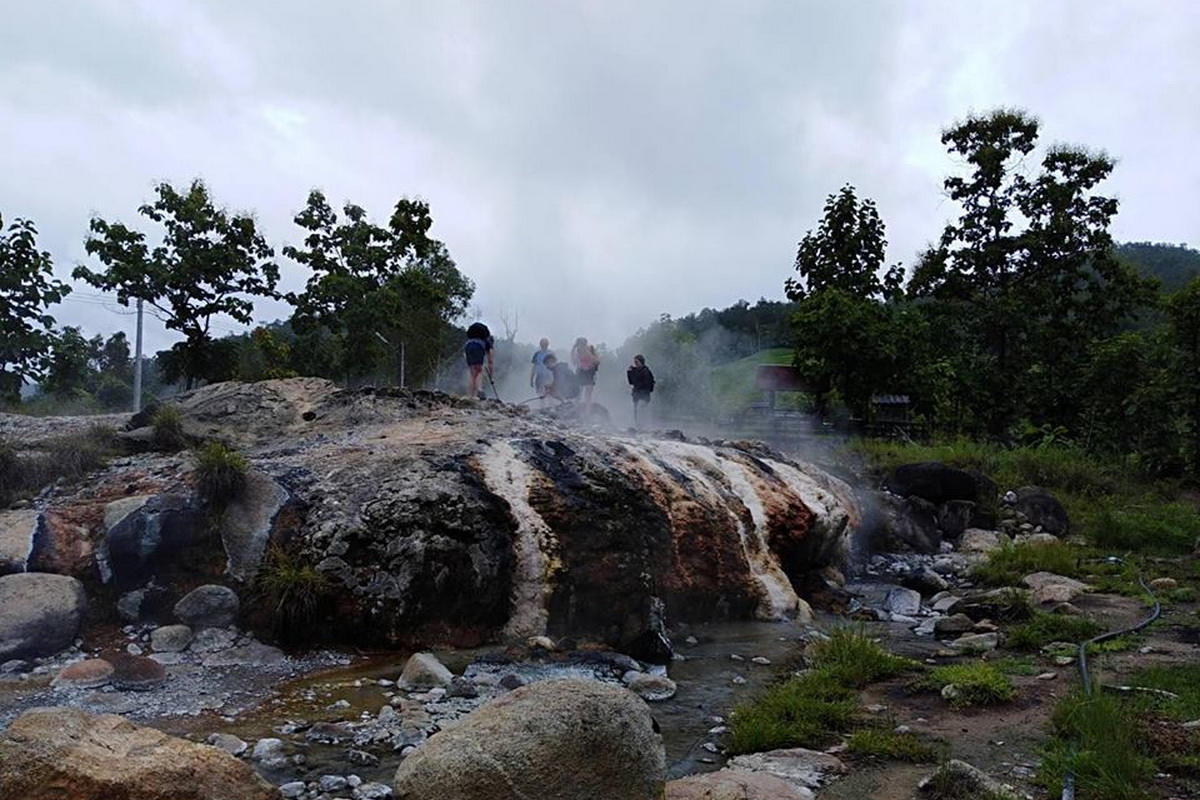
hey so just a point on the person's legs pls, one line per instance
(476, 371)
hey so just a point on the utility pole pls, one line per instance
(402, 343)
(137, 362)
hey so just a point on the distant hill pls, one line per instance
(1174, 264)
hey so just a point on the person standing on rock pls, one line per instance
(642, 380)
(540, 376)
(479, 347)
(586, 362)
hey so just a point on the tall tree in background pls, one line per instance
(27, 289)
(375, 289)
(1025, 276)
(846, 342)
(210, 262)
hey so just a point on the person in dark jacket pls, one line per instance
(478, 348)
(642, 380)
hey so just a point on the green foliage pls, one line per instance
(220, 473)
(292, 591)
(882, 742)
(1148, 526)
(67, 457)
(1180, 679)
(370, 281)
(979, 683)
(27, 289)
(856, 658)
(1175, 265)
(209, 261)
(1098, 739)
(1007, 565)
(809, 710)
(167, 423)
(1046, 628)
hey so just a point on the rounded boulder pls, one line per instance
(554, 740)
(40, 614)
(208, 606)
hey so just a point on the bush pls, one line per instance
(168, 428)
(857, 660)
(1006, 566)
(884, 742)
(291, 590)
(979, 683)
(810, 710)
(220, 473)
(1046, 628)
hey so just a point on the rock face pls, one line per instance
(39, 614)
(447, 519)
(53, 753)
(554, 740)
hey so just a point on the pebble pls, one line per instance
(738, 680)
(1047, 676)
(1062, 661)
(292, 790)
(762, 661)
(691, 641)
(901, 729)
(332, 783)
(133, 650)
(736, 657)
(710, 747)
(876, 708)
(719, 730)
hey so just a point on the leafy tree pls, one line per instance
(209, 263)
(265, 354)
(846, 337)
(1173, 264)
(72, 369)
(114, 357)
(375, 287)
(1025, 275)
(1183, 309)
(27, 289)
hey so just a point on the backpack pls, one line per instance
(479, 331)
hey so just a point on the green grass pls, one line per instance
(1006, 566)
(810, 710)
(1144, 525)
(68, 457)
(979, 683)
(1180, 679)
(1098, 738)
(290, 587)
(733, 383)
(167, 423)
(220, 473)
(885, 743)
(856, 658)
(1046, 628)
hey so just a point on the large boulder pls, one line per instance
(553, 740)
(933, 481)
(907, 524)
(57, 753)
(1041, 509)
(40, 614)
(735, 784)
(208, 606)
(17, 529)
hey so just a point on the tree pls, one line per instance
(374, 288)
(1025, 276)
(209, 263)
(72, 373)
(845, 334)
(27, 289)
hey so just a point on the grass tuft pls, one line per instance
(167, 423)
(856, 658)
(809, 710)
(1096, 737)
(1046, 628)
(979, 683)
(1006, 566)
(220, 473)
(291, 588)
(881, 742)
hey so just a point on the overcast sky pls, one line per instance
(590, 165)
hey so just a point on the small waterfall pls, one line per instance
(722, 477)
(509, 477)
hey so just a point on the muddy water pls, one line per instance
(704, 674)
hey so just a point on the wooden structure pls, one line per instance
(772, 378)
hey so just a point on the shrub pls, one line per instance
(1006, 566)
(220, 473)
(1046, 628)
(168, 428)
(883, 742)
(979, 683)
(291, 589)
(856, 658)
(809, 710)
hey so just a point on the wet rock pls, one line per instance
(925, 580)
(170, 638)
(246, 523)
(372, 791)
(565, 739)
(361, 758)
(956, 623)
(1008, 604)
(87, 674)
(965, 781)
(229, 743)
(292, 789)
(461, 687)
(250, 654)
(652, 688)
(806, 769)
(129, 605)
(731, 784)
(60, 752)
(909, 524)
(328, 732)
(902, 601)
(268, 749)
(332, 783)
(137, 673)
(424, 671)
(208, 606)
(15, 666)
(1048, 587)
(40, 614)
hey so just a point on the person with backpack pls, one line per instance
(479, 347)
(539, 376)
(587, 363)
(642, 380)
(564, 385)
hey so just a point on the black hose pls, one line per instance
(1068, 792)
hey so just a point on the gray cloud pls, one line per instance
(589, 165)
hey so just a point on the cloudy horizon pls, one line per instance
(589, 166)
